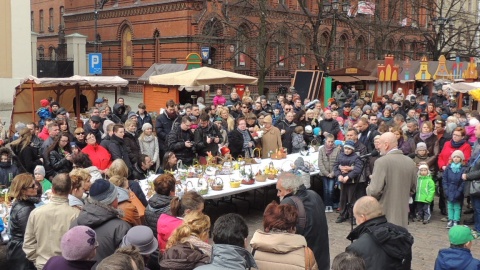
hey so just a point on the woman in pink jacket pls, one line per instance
(219, 99)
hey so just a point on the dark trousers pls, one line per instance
(349, 194)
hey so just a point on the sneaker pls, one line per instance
(455, 223)
(425, 221)
(328, 209)
(450, 224)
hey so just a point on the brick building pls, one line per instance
(134, 34)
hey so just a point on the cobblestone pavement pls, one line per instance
(429, 238)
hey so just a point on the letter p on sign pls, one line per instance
(95, 63)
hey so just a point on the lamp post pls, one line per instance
(440, 24)
(333, 7)
(97, 7)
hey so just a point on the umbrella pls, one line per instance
(202, 76)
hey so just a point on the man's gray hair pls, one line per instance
(290, 181)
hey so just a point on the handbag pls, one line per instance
(474, 186)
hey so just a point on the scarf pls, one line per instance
(457, 145)
(206, 248)
(329, 150)
(456, 167)
(148, 138)
(425, 136)
(246, 140)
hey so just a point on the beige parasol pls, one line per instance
(202, 76)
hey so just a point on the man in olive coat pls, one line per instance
(393, 180)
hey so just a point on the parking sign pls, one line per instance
(95, 63)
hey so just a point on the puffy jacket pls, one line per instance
(118, 113)
(395, 250)
(456, 258)
(165, 226)
(325, 162)
(425, 189)
(19, 214)
(118, 150)
(219, 100)
(105, 221)
(99, 156)
(298, 142)
(176, 143)
(229, 257)
(453, 185)
(146, 119)
(201, 144)
(351, 160)
(157, 205)
(447, 151)
(184, 256)
(130, 212)
(59, 163)
(133, 147)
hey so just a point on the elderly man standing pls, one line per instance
(393, 180)
(312, 222)
(380, 243)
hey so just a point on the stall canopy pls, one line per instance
(202, 76)
(31, 90)
(463, 87)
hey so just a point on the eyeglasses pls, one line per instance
(80, 133)
(32, 186)
(244, 107)
(288, 109)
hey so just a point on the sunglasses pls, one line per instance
(244, 107)
(80, 133)
(288, 109)
(31, 187)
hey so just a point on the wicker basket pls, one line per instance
(261, 178)
(217, 185)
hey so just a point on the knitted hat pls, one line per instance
(317, 131)
(98, 100)
(44, 103)
(78, 243)
(218, 119)
(54, 103)
(39, 170)
(458, 153)
(339, 118)
(349, 144)
(146, 125)
(421, 146)
(423, 166)
(131, 114)
(141, 237)
(460, 235)
(366, 108)
(61, 111)
(103, 191)
(308, 129)
(267, 119)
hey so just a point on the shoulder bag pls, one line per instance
(474, 186)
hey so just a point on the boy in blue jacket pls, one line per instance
(458, 256)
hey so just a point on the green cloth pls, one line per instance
(454, 211)
(46, 185)
(425, 189)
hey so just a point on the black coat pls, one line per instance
(146, 119)
(19, 214)
(287, 136)
(235, 143)
(133, 147)
(201, 144)
(176, 143)
(396, 244)
(8, 171)
(330, 126)
(316, 227)
(118, 150)
(163, 126)
(59, 163)
(367, 136)
(27, 158)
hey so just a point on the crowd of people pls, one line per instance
(98, 216)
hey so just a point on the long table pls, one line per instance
(229, 191)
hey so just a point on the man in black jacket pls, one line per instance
(181, 141)
(366, 133)
(380, 243)
(117, 147)
(207, 137)
(163, 126)
(329, 125)
(312, 223)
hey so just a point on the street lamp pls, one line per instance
(335, 7)
(100, 4)
(441, 23)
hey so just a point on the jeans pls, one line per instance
(423, 211)
(454, 210)
(328, 184)
(476, 213)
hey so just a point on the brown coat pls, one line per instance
(394, 179)
(271, 141)
(131, 215)
(278, 251)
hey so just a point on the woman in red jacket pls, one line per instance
(100, 157)
(458, 142)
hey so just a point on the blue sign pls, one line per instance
(205, 53)
(95, 63)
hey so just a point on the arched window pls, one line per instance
(360, 48)
(242, 40)
(40, 16)
(62, 21)
(390, 49)
(323, 43)
(342, 51)
(156, 37)
(52, 53)
(41, 53)
(127, 47)
(400, 55)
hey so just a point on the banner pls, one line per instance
(205, 53)
(367, 8)
(241, 59)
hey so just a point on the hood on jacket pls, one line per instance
(118, 109)
(123, 195)
(9, 153)
(454, 258)
(396, 241)
(159, 203)
(278, 243)
(183, 256)
(230, 257)
(95, 214)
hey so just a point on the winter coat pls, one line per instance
(118, 113)
(470, 134)
(281, 251)
(28, 158)
(8, 171)
(298, 142)
(316, 227)
(236, 143)
(456, 258)
(130, 212)
(118, 150)
(340, 97)
(100, 157)
(43, 113)
(138, 173)
(382, 245)
(97, 132)
(94, 173)
(176, 143)
(425, 189)
(146, 119)
(453, 184)
(58, 262)
(433, 150)
(134, 186)
(59, 162)
(330, 126)
(183, 256)
(350, 160)
(287, 136)
(149, 147)
(201, 145)
(393, 179)
(163, 126)
(271, 141)
(157, 205)
(219, 100)
(19, 214)
(131, 143)
(165, 226)
(105, 221)
(325, 162)
(366, 137)
(229, 257)
(447, 151)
